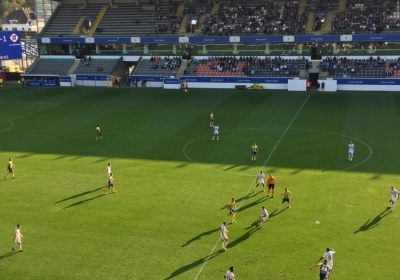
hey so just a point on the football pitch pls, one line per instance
(173, 183)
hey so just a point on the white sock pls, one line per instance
(226, 244)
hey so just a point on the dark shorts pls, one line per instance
(271, 186)
(110, 185)
(211, 120)
(231, 211)
(98, 133)
(286, 200)
(10, 170)
(254, 153)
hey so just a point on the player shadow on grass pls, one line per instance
(370, 224)
(187, 267)
(8, 255)
(200, 236)
(277, 212)
(83, 201)
(252, 229)
(80, 194)
(254, 203)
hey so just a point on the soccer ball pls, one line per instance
(317, 223)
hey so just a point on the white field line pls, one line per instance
(252, 183)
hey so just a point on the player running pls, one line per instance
(328, 255)
(224, 236)
(108, 172)
(10, 169)
(286, 196)
(324, 270)
(98, 132)
(394, 197)
(110, 184)
(351, 150)
(263, 217)
(212, 119)
(232, 208)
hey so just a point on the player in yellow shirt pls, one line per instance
(254, 150)
(232, 208)
(10, 168)
(211, 119)
(111, 184)
(98, 132)
(286, 197)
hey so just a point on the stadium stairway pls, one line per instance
(327, 27)
(215, 8)
(302, 6)
(180, 9)
(342, 6)
(181, 69)
(182, 28)
(78, 26)
(310, 22)
(74, 66)
(96, 23)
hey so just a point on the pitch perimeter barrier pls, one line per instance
(223, 39)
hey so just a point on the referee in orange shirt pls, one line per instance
(271, 184)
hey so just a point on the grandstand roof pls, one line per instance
(21, 16)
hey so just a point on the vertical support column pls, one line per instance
(204, 49)
(371, 48)
(124, 48)
(97, 48)
(267, 51)
(71, 49)
(146, 49)
(235, 51)
(300, 49)
(334, 49)
(174, 49)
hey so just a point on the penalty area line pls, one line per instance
(248, 190)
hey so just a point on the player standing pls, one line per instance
(10, 168)
(98, 132)
(108, 172)
(18, 238)
(254, 150)
(328, 255)
(271, 184)
(224, 236)
(212, 119)
(110, 184)
(229, 274)
(286, 196)
(232, 208)
(260, 180)
(394, 196)
(263, 217)
(324, 270)
(351, 150)
(216, 132)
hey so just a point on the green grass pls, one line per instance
(173, 183)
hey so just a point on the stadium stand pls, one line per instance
(156, 66)
(51, 66)
(255, 18)
(66, 18)
(247, 66)
(368, 16)
(342, 67)
(93, 66)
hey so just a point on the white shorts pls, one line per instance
(18, 240)
(260, 181)
(351, 153)
(224, 236)
(264, 218)
(394, 198)
(108, 175)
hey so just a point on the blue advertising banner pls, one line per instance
(148, 78)
(261, 39)
(61, 40)
(90, 78)
(376, 37)
(159, 40)
(65, 79)
(171, 81)
(10, 45)
(209, 39)
(42, 84)
(368, 81)
(314, 38)
(119, 40)
(235, 80)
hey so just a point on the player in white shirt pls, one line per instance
(224, 236)
(229, 274)
(18, 238)
(394, 196)
(351, 150)
(263, 217)
(216, 132)
(108, 172)
(260, 180)
(328, 255)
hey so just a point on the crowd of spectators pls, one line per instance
(165, 19)
(372, 17)
(270, 19)
(342, 67)
(320, 9)
(172, 63)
